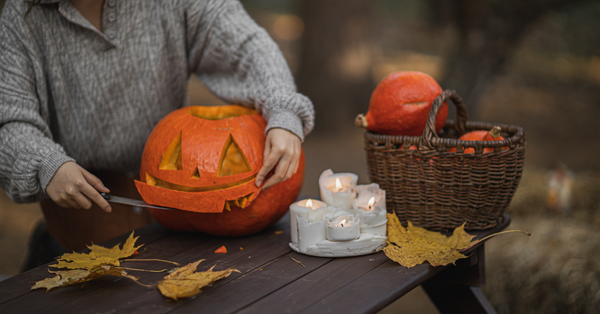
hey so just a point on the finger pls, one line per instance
(280, 171)
(269, 163)
(94, 181)
(265, 168)
(82, 201)
(292, 168)
(71, 203)
(93, 195)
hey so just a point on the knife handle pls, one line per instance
(106, 196)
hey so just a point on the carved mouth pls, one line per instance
(241, 202)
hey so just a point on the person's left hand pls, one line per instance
(282, 148)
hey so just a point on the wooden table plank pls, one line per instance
(243, 291)
(374, 290)
(19, 285)
(126, 296)
(38, 300)
(300, 294)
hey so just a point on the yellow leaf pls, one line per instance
(98, 256)
(412, 246)
(185, 282)
(70, 277)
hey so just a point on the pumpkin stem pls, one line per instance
(495, 131)
(361, 121)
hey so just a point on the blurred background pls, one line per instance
(535, 64)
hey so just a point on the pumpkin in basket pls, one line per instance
(401, 103)
(491, 135)
(203, 161)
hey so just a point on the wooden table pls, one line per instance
(270, 280)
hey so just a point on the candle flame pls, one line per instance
(338, 184)
(309, 203)
(371, 203)
(342, 222)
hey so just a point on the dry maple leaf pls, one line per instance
(185, 282)
(412, 246)
(70, 277)
(98, 256)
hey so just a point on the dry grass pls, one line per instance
(556, 270)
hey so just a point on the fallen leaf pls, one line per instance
(70, 277)
(412, 246)
(185, 282)
(241, 248)
(98, 256)
(222, 249)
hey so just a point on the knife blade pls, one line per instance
(130, 201)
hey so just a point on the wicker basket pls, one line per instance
(438, 189)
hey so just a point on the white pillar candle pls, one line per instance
(373, 217)
(337, 190)
(374, 221)
(366, 193)
(343, 228)
(309, 233)
(306, 209)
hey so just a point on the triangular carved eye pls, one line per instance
(232, 160)
(171, 160)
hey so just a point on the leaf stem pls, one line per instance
(148, 259)
(493, 235)
(146, 270)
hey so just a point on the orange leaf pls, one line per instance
(221, 250)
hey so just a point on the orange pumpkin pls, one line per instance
(401, 103)
(204, 161)
(491, 135)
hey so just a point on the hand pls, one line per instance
(74, 187)
(282, 148)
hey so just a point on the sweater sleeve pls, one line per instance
(29, 157)
(238, 61)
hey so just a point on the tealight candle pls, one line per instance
(369, 196)
(337, 190)
(309, 209)
(343, 228)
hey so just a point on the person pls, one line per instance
(83, 82)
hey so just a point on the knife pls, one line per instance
(130, 201)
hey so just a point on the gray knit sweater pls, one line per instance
(69, 92)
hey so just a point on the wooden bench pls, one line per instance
(270, 280)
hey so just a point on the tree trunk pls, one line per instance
(336, 61)
(489, 31)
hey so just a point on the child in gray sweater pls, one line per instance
(83, 84)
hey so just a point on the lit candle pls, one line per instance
(311, 210)
(337, 190)
(343, 228)
(369, 196)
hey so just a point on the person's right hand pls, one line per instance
(74, 187)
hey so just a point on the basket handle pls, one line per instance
(461, 116)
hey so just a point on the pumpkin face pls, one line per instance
(401, 103)
(265, 210)
(203, 159)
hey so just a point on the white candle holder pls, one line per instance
(345, 223)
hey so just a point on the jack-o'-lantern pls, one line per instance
(204, 161)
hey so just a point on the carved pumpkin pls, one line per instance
(491, 135)
(401, 103)
(204, 161)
